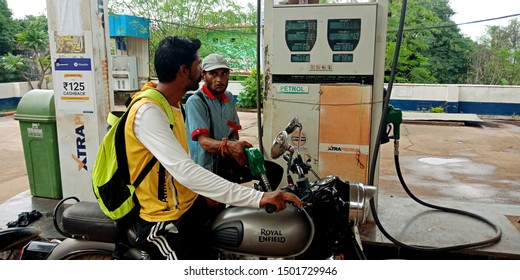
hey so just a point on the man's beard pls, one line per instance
(215, 92)
(194, 85)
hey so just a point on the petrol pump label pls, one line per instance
(73, 85)
(292, 89)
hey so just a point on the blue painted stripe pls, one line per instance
(424, 105)
(9, 103)
(490, 108)
(479, 108)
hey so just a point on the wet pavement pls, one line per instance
(467, 165)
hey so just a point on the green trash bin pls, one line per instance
(37, 117)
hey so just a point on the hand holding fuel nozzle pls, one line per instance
(256, 165)
(244, 153)
(236, 150)
(272, 201)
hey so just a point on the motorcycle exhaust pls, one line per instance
(360, 195)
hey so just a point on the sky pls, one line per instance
(465, 11)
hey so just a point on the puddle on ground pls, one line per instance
(444, 168)
(438, 161)
(456, 177)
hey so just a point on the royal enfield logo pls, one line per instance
(81, 148)
(271, 235)
(334, 149)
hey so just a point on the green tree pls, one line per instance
(247, 97)
(413, 65)
(497, 56)
(14, 68)
(448, 51)
(194, 19)
(7, 26)
(432, 50)
(36, 40)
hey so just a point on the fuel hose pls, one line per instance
(382, 125)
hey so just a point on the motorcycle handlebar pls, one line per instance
(270, 208)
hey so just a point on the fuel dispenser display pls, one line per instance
(324, 63)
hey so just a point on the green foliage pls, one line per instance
(247, 97)
(496, 60)
(240, 48)
(35, 39)
(448, 52)
(438, 109)
(432, 49)
(412, 64)
(198, 19)
(14, 67)
(7, 27)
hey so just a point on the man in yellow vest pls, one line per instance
(173, 219)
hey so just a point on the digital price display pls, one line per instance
(343, 34)
(300, 58)
(300, 35)
(343, 57)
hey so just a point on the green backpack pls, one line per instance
(110, 175)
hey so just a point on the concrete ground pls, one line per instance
(470, 165)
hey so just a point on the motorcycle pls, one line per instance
(12, 241)
(325, 228)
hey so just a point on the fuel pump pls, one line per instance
(324, 63)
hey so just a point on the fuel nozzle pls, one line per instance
(394, 117)
(255, 160)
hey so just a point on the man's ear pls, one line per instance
(184, 71)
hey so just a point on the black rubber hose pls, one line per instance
(382, 126)
(258, 80)
(55, 215)
(450, 210)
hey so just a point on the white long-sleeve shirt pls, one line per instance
(152, 128)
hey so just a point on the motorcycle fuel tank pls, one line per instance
(255, 232)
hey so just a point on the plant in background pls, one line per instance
(438, 109)
(37, 41)
(247, 97)
(14, 68)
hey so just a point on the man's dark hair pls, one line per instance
(173, 52)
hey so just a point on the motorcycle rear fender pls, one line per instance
(70, 246)
(15, 238)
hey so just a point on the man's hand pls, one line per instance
(236, 150)
(279, 198)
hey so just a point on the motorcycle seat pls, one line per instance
(85, 220)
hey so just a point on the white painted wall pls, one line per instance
(500, 94)
(10, 90)
(455, 93)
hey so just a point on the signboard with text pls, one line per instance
(73, 87)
